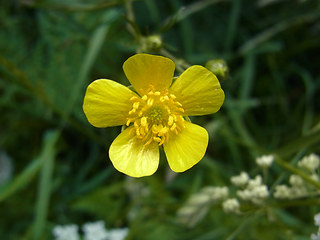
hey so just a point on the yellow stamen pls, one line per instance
(170, 120)
(134, 98)
(138, 131)
(173, 96)
(155, 116)
(136, 105)
(157, 139)
(173, 127)
(163, 131)
(179, 104)
(144, 121)
(142, 132)
(150, 101)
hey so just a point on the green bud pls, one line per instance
(152, 43)
(219, 67)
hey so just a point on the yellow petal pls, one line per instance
(107, 103)
(143, 70)
(199, 91)
(130, 156)
(187, 148)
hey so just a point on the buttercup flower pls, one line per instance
(154, 113)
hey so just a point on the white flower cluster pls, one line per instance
(296, 190)
(208, 195)
(216, 193)
(254, 191)
(317, 219)
(95, 231)
(240, 180)
(199, 203)
(310, 162)
(67, 232)
(118, 233)
(317, 223)
(265, 161)
(298, 187)
(92, 231)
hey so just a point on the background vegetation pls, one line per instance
(50, 50)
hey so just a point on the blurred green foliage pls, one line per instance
(50, 50)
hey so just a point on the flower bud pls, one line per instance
(219, 67)
(265, 161)
(231, 205)
(152, 43)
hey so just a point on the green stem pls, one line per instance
(130, 17)
(196, 7)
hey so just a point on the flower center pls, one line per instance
(155, 116)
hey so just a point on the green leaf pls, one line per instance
(45, 182)
(26, 176)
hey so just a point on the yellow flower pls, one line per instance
(154, 113)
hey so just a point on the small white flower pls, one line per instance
(186, 210)
(256, 195)
(317, 223)
(296, 181)
(261, 191)
(118, 233)
(231, 205)
(310, 162)
(216, 193)
(67, 232)
(95, 231)
(245, 194)
(255, 192)
(240, 180)
(286, 192)
(257, 181)
(298, 187)
(199, 199)
(317, 219)
(265, 161)
(282, 192)
(315, 236)
(315, 177)
(209, 194)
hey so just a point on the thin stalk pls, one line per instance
(130, 17)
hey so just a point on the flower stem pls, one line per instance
(130, 16)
